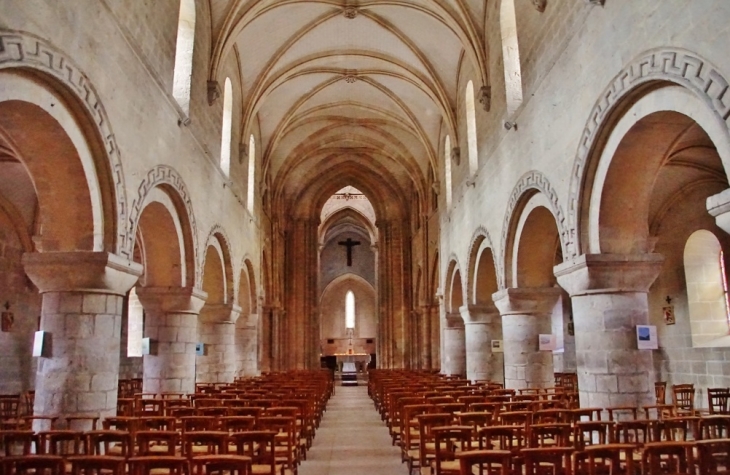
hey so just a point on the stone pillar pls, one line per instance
(217, 331)
(454, 357)
(171, 321)
(609, 295)
(83, 295)
(247, 344)
(526, 313)
(481, 326)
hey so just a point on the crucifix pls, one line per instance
(350, 244)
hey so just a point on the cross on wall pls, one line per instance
(349, 244)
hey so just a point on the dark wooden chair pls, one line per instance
(35, 465)
(221, 465)
(171, 464)
(713, 456)
(490, 462)
(717, 400)
(260, 447)
(673, 458)
(98, 465)
(613, 459)
(553, 460)
(448, 441)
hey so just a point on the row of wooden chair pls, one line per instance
(95, 465)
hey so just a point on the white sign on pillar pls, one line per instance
(547, 342)
(646, 337)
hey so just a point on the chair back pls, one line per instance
(221, 465)
(717, 399)
(605, 459)
(683, 397)
(667, 457)
(259, 445)
(108, 442)
(713, 456)
(35, 465)
(492, 462)
(98, 464)
(145, 465)
(156, 442)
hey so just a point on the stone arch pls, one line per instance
(454, 295)
(160, 242)
(218, 240)
(26, 53)
(171, 183)
(531, 184)
(481, 241)
(482, 280)
(247, 288)
(651, 70)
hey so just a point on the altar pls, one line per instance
(350, 365)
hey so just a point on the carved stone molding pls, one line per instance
(159, 175)
(214, 92)
(539, 5)
(350, 76)
(19, 49)
(350, 12)
(485, 97)
(673, 65)
(532, 180)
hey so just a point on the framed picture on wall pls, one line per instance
(668, 312)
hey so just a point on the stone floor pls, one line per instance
(352, 440)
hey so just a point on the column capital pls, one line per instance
(719, 207)
(478, 313)
(526, 300)
(220, 313)
(81, 271)
(172, 299)
(453, 320)
(608, 273)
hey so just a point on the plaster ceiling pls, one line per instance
(374, 81)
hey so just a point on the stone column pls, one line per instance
(482, 325)
(247, 344)
(609, 295)
(217, 331)
(83, 295)
(171, 321)
(526, 313)
(454, 357)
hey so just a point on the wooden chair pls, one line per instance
(673, 458)
(237, 423)
(490, 462)
(152, 443)
(510, 438)
(553, 460)
(677, 429)
(586, 413)
(548, 435)
(520, 418)
(197, 423)
(717, 400)
(196, 443)
(427, 444)
(683, 398)
(35, 465)
(660, 391)
(98, 464)
(108, 442)
(637, 432)
(156, 423)
(17, 442)
(448, 441)
(410, 434)
(714, 427)
(171, 464)
(286, 448)
(592, 433)
(713, 456)
(622, 413)
(221, 465)
(259, 446)
(605, 459)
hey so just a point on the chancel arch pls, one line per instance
(453, 353)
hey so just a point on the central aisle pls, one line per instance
(352, 440)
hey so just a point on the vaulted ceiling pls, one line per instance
(367, 84)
